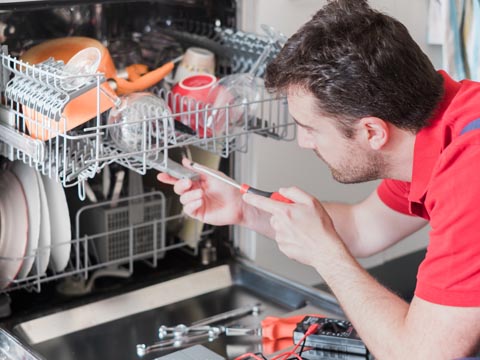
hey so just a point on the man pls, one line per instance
(368, 101)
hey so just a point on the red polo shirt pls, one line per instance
(445, 189)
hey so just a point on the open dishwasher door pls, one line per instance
(116, 327)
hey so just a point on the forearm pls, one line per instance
(343, 220)
(370, 226)
(378, 315)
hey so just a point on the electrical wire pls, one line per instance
(303, 345)
(250, 355)
(286, 355)
(311, 329)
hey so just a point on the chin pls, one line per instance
(350, 178)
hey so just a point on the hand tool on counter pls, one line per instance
(244, 188)
(196, 335)
(198, 332)
(181, 329)
(276, 333)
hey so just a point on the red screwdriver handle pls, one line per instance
(276, 196)
(272, 195)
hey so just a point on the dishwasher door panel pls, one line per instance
(239, 284)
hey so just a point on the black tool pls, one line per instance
(332, 335)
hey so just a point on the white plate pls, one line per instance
(61, 232)
(13, 227)
(43, 252)
(29, 183)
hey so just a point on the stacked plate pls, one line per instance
(35, 228)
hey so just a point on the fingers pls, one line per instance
(192, 207)
(262, 203)
(296, 195)
(167, 179)
(191, 196)
(186, 162)
(271, 205)
(182, 185)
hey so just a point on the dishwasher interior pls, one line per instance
(116, 257)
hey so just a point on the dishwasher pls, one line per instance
(102, 263)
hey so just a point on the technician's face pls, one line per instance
(349, 160)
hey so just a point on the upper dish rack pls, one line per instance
(40, 122)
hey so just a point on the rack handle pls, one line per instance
(31, 147)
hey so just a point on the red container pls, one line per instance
(188, 100)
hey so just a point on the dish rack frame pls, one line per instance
(72, 157)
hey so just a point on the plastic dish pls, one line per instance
(60, 229)
(13, 227)
(26, 175)
(83, 63)
(43, 252)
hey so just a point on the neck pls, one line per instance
(399, 154)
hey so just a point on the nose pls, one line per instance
(304, 139)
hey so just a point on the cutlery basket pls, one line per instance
(133, 229)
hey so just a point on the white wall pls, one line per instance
(270, 164)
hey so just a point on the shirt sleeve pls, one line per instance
(394, 194)
(450, 272)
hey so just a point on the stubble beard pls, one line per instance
(353, 171)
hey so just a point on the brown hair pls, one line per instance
(358, 62)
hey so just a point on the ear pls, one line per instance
(375, 131)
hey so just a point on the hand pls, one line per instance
(303, 230)
(207, 199)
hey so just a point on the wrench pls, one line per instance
(181, 329)
(198, 331)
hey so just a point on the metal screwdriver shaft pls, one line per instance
(244, 188)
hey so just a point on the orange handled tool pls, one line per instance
(244, 188)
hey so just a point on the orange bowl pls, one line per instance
(80, 109)
(76, 112)
(63, 49)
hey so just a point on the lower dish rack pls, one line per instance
(108, 235)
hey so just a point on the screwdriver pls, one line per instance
(244, 188)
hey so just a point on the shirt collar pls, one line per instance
(429, 144)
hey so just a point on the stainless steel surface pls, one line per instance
(231, 314)
(12, 349)
(199, 331)
(193, 353)
(117, 339)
